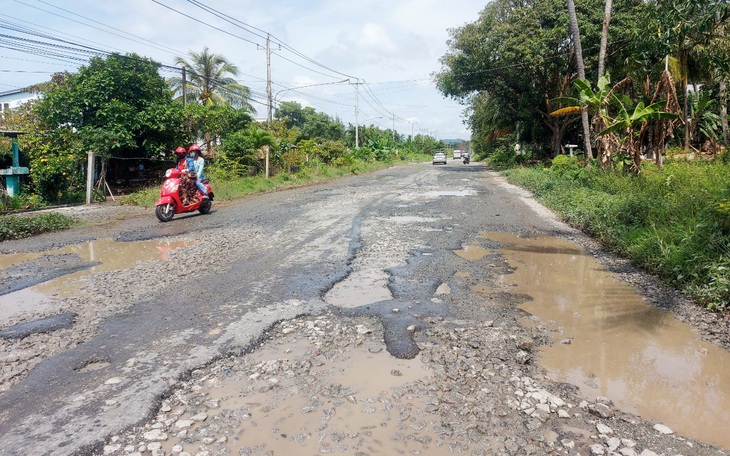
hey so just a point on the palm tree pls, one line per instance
(604, 38)
(575, 31)
(261, 140)
(209, 80)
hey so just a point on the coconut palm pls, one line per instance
(604, 38)
(209, 79)
(575, 32)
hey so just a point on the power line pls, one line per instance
(281, 43)
(204, 23)
(72, 51)
(137, 39)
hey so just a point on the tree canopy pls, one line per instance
(310, 123)
(509, 64)
(116, 105)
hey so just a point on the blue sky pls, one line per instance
(392, 46)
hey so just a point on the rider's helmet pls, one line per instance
(194, 149)
(180, 150)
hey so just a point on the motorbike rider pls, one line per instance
(180, 153)
(199, 166)
(188, 194)
(196, 163)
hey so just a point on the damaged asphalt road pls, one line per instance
(381, 246)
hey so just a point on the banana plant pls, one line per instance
(642, 113)
(587, 97)
(703, 118)
(627, 123)
(596, 102)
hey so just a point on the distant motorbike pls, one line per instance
(465, 159)
(172, 198)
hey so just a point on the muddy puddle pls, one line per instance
(609, 342)
(437, 193)
(366, 286)
(110, 255)
(362, 411)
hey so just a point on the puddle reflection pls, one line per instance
(642, 358)
(353, 407)
(111, 256)
(366, 286)
(473, 253)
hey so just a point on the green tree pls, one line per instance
(209, 79)
(243, 150)
(310, 123)
(293, 112)
(517, 57)
(214, 122)
(685, 31)
(116, 106)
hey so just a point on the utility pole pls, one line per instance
(184, 87)
(393, 127)
(270, 100)
(357, 112)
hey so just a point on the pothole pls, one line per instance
(640, 357)
(105, 254)
(93, 365)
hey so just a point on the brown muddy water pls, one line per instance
(362, 287)
(110, 254)
(290, 420)
(610, 343)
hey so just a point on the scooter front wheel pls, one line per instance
(165, 212)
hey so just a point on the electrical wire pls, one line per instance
(277, 41)
(134, 38)
(73, 52)
(205, 23)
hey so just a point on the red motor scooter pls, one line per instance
(171, 202)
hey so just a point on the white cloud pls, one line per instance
(379, 41)
(374, 38)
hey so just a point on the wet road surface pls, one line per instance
(387, 245)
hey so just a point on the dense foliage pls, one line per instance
(517, 58)
(115, 107)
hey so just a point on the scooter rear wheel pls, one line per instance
(165, 212)
(205, 206)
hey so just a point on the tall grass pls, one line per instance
(674, 221)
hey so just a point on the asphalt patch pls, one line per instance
(397, 316)
(44, 325)
(40, 270)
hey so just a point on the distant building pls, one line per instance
(14, 98)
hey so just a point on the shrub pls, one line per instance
(17, 226)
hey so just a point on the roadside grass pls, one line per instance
(673, 222)
(20, 226)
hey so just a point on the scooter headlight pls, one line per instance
(168, 173)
